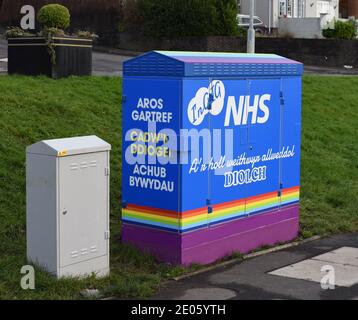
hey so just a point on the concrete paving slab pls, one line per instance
(344, 255)
(311, 270)
(207, 294)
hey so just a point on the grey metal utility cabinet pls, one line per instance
(67, 188)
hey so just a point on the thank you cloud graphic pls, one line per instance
(207, 100)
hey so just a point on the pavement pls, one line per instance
(293, 273)
(108, 62)
(329, 71)
(104, 64)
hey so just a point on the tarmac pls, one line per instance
(323, 269)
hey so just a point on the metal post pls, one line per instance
(251, 31)
(270, 14)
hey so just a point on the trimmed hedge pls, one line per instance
(54, 16)
(180, 18)
(342, 30)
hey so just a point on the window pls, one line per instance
(292, 8)
(257, 21)
(301, 8)
(289, 9)
(282, 8)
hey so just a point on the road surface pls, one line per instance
(105, 64)
(294, 273)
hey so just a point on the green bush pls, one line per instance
(226, 23)
(54, 16)
(242, 32)
(328, 33)
(346, 30)
(16, 32)
(180, 18)
(342, 30)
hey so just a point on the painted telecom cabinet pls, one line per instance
(67, 188)
(211, 153)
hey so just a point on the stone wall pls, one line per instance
(319, 52)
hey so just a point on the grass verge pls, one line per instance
(33, 109)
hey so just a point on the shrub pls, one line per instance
(328, 33)
(226, 17)
(342, 30)
(86, 35)
(346, 30)
(16, 32)
(179, 18)
(242, 32)
(54, 16)
(51, 32)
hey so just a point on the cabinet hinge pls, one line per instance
(282, 99)
(106, 171)
(107, 235)
(124, 98)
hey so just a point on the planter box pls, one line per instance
(29, 56)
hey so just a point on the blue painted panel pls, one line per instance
(194, 181)
(252, 113)
(156, 182)
(264, 138)
(230, 136)
(153, 64)
(292, 92)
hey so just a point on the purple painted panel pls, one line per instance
(238, 226)
(241, 242)
(208, 245)
(162, 244)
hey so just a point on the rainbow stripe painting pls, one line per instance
(199, 218)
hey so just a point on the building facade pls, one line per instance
(348, 8)
(270, 11)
